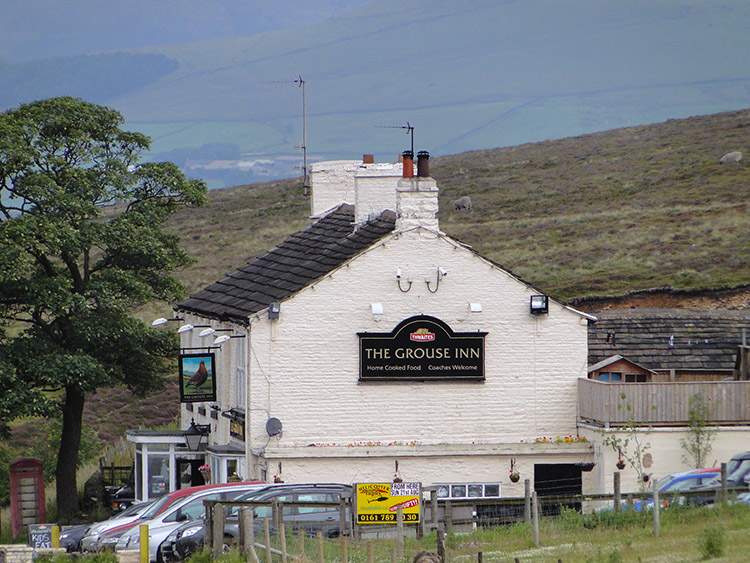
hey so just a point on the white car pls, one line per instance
(90, 542)
(189, 508)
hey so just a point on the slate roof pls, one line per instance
(300, 260)
(664, 339)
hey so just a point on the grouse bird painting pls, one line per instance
(199, 377)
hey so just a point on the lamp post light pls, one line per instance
(194, 434)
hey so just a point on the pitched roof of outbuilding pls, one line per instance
(664, 339)
(300, 260)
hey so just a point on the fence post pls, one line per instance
(218, 530)
(724, 491)
(434, 509)
(320, 547)
(344, 529)
(657, 524)
(441, 544)
(448, 516)
(344, 550)
(282, 537)
(618, 496)
(267, 532)
(400, 532)
(535, 517)
(248, 533)
(209, 540)
(527, 500)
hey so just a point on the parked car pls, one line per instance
(669, 484)
(70, 537)
(109, 538)
(738, 479)
(90, 541)
(190, 507)
(189, 537)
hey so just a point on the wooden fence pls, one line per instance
(661, 403)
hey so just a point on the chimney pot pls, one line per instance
(408, 164)
(368, 159)
(423, 164)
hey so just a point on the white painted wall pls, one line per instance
(304, 367)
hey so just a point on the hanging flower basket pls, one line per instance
(620, 464)
(587, 466)
(515, 476)
(205, 471)
(277, 479)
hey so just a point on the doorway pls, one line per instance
(555, 485)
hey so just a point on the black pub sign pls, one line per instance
(421, 348)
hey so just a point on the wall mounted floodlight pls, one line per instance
(274, 309)
(398, 280)
(441, 273)
(538, 304)
(189, 327)
(164, 320)
(206, 332)
(223, 338)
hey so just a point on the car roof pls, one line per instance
(279, 488)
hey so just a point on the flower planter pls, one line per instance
(515, 477)
(620, 464)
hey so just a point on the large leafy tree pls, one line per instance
(81, 245)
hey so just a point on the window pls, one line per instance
(610, 376)
(468, 490)
(635, 377)
(240, 374)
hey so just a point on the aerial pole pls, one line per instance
(305, 176)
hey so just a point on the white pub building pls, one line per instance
(372, 345)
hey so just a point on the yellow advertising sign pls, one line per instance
(377, 503)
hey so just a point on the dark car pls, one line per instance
(738, 478)
(189, 538)
(70, 537)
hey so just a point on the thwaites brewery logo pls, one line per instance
(422, 335)
(421, 348)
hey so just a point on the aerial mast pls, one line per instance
(305, 175)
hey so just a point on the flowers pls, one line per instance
(205, 467)
(569, 439)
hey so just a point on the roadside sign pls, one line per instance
(377, 503)
(40, 535)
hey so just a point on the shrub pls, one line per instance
(711, 542)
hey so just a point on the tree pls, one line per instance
(699, 439)
(81, 245)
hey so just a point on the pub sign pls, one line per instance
(421, 348)
(197, 378)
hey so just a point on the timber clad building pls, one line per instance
(372, 345)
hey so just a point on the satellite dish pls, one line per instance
(273, 426)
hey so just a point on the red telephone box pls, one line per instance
(27, 503)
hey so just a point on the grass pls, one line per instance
(689, 534)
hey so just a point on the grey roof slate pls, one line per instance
(664, 339)
(303, 258)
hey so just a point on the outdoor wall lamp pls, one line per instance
(194, 434)
(398, 280)
(274, 309)
(164, 320)
(441, 273)
(224, 337)
(538, 304)
(209, 331)
(189, 327)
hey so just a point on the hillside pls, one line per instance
(606, 214)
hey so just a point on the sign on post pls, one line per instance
(378, 503)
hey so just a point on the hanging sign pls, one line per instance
(421, 348)
(378, 503)
(197, 378)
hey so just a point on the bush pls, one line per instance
(711, 542)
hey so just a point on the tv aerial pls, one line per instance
(306, 178)
(409, 131)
